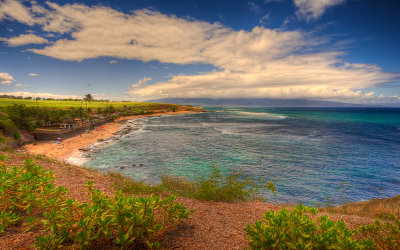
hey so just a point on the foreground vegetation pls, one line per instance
(30, 200)
(375, 208)
(215, 187)
(302, 228)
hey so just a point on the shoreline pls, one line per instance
(70, 147)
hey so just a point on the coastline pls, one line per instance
(70, 149)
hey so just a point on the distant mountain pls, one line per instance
(261, 102)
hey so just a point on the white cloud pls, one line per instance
(313, 9)
(257, 63)
(265, 18)
(14, 10)
(292, 77)
(22, 85)
(6, 79)
(147, 36)
(24, 39)
(41, 94)
(254, 7)
(32, 74)
(140, 84)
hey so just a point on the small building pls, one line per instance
(67, 123)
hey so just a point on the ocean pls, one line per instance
(315, 155)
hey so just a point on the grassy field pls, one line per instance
(4, 102)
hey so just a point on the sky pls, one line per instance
(334, 50)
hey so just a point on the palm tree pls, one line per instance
(88, 98)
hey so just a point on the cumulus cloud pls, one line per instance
(140, 84)
(292, 77)
(32, 74)
(6, 79)
(24, 39)
(14, 10)
(257, 63)
(313, 9)
(147, 35)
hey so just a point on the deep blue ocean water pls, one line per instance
(314, 154)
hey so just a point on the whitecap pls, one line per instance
(263, 114)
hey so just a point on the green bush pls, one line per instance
(16, 135)
(129, 185)
(29, 198)
(386, 235)
(22, 116)
(302, 228)
(216, 187)
(6, 124)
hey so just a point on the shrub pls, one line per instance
(297, 229)
(129, 185)
(216, 187)
(21, 116)
(30, 198)
(16, 135)
(385, 235)
(6, 124)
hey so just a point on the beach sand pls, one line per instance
(70, 148)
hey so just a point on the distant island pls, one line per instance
(268, 102)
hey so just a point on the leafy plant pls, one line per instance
(6, 124)
(301, 228)
(30, 198)
(129, 185)
(216, 187)
(386, 235)
(16, 135)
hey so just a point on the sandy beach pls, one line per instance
(71, 146)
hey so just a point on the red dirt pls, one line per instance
(213, 225)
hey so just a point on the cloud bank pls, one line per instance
(40, 94)
(257, 63)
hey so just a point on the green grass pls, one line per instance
(215, 187)
(4, 102)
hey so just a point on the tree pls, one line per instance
(88, 98)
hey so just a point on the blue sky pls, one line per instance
(336, 50)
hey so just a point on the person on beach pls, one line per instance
(60, 145)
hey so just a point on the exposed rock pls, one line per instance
(26, 136)
(84, 149)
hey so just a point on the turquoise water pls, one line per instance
(315, 154)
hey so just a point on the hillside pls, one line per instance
(213, 225)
